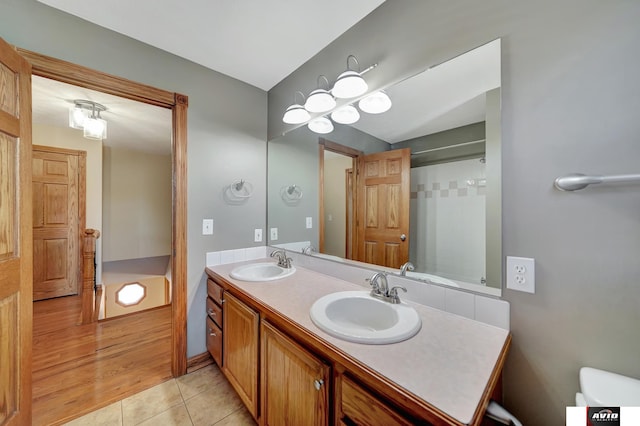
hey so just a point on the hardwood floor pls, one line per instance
(79, 368)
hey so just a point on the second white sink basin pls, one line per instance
(358, 317)
(264, 271)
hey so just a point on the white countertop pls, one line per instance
(448, 363)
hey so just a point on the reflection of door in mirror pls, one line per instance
(337, 199)
(383, 197)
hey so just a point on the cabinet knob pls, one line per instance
(318, 383)
(211, 333)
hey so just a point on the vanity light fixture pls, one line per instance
(320, 100)
(85, 115)
(296, 114)
(350, 83)
(320, 125)
(375, 103)
(347, 114)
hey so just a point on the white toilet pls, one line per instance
(601, 388)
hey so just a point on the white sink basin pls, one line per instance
(355, 316)
(265, 271)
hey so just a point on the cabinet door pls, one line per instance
(294, 382)
(240, 355)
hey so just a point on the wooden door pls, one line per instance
(294, 383)
(240, 350)
(15, 238)
(58, 220)
(383, 208)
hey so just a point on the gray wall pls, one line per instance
(226, 128)
(570, 103)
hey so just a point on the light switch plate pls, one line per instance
(273, 236)
(257, 235)
(309, 222)
(521, 274)
(207, 226)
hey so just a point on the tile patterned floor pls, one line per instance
(202, 398)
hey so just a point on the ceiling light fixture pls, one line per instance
(85, 115)
(350, 83)
(375, 103)
(296, 114)
(320, 100)
(347, 114)
(320, 125)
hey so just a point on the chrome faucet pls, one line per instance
(380, 288)
(283, 260)
(406, 267)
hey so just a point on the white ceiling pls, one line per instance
(259, 42)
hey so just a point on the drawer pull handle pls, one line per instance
(318, 384)
(211, 333)
(210, 311)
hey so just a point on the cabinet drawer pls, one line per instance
(214, 290)
(214, 341)
(363, 408)
(214, 311)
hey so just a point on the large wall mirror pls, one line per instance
(446, 119)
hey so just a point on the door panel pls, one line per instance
(383, 226)
(15, 238)
(57, 221)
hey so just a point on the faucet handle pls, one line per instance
(393, 293)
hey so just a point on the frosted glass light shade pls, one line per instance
(349, 85)
(320, 100)
(95, 128)
(347, 114)
(77, 115)
(375, 103)
(320, 125)
(296, 114)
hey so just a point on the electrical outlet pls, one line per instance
(273, 236)
(521, 274)
(309, 223)
(207, 226)
(257, 235)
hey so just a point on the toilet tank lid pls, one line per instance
(603, 388)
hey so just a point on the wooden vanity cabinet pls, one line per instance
(357, 406)
(240, 355)
(294, 383)
(214, 320)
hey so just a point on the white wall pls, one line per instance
(137, 204)
(335, 203)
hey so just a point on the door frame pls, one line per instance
(327, 145)
(67, 72)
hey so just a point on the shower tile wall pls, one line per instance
(448, 220)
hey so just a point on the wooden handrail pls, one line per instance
(89, 307)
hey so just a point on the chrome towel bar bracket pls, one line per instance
(576, 181)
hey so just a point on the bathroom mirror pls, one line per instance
(449, 118)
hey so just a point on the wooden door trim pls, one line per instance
(82, 200)
(78, 75)
(325, 144)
